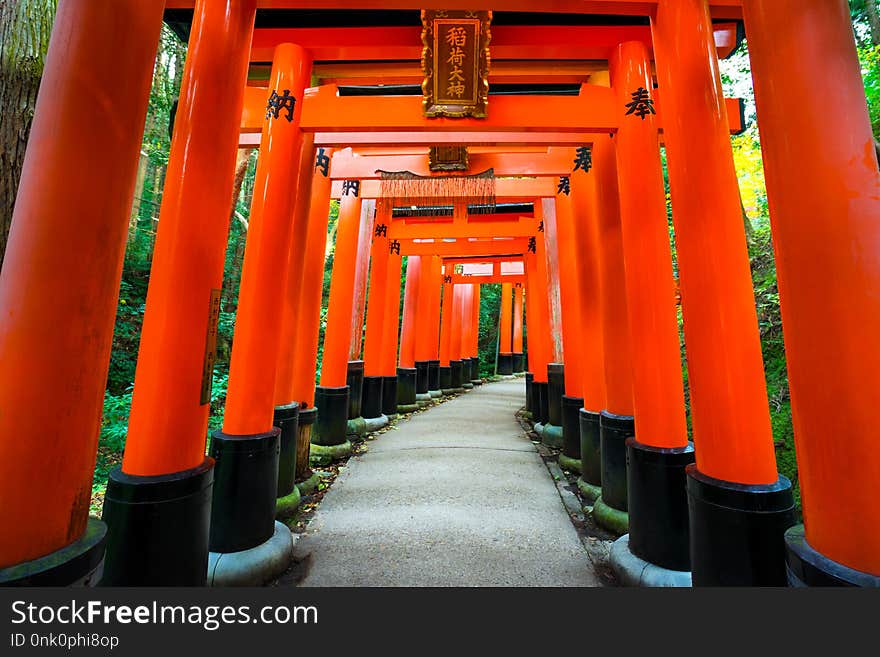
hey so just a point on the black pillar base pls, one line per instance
(406, 386)
(157, 527)
(433, 375)
(286, 418)
(467, 367)
(421, 377)
(355, 381)
(590, 482)
(555, 392)
(613, 432)
(389, 395)
(76, 564)
(530, 393)
(737, 531)
(519, 362)
(371, 406)
(332, 422)
(444, 377)
(475, 371)
(571, 429)
(455, 368)
(658, 506)
(808, 567)
(505, 364)
(245, 484)
(541, 398)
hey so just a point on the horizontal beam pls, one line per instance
(485, 260)
(518, 227)
(595, 110)
(507, 190)
(509, 43)
(482, 250)
(465, 279)
(556, 162)
(720, 8)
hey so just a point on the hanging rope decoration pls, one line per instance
(407, 189)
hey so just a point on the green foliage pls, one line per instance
(490, 310)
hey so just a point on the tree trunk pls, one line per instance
(25, 26)
(874, 20)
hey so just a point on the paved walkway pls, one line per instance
(455, 496)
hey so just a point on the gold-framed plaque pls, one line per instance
(455, 63)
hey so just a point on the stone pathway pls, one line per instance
(455, 496)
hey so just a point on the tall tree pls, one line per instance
(25, 26)
(868, 11)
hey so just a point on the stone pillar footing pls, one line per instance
(737, 530)
(158, 527)
(255, 566)
(632, 570)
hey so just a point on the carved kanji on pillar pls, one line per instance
(583, 159)
(277, 103)
(564, 186)
(351, 187)
(641, 104)
(322, 162)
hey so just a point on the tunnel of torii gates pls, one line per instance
(575, 230)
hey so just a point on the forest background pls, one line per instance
(25, 26)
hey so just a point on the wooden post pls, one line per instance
(736, 465)
(825, 217)
(172, 387)
(60, 282)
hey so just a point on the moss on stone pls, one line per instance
(568, 463)
(610, 518)
(286, 506)
(326, 454)
(552, 436)
(588, 490)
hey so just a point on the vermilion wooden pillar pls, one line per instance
(825, 216)
(302, 383)
(505, 331)
(331, 396)
(616, 422)
(731, 423)
(475, 337)
(247, 449)
(446, 332)
(290, 306)
(422, 349)
(158, 505)
(406, 369)
(376, 315)
(518, 362)
(434, 361)
(656, 460)
(455, 339)
(60, 283)
(572, 325)
(390, 326)
(287, 409)
(590, 191)
(355, 370)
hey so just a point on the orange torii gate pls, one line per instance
(720, 510)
